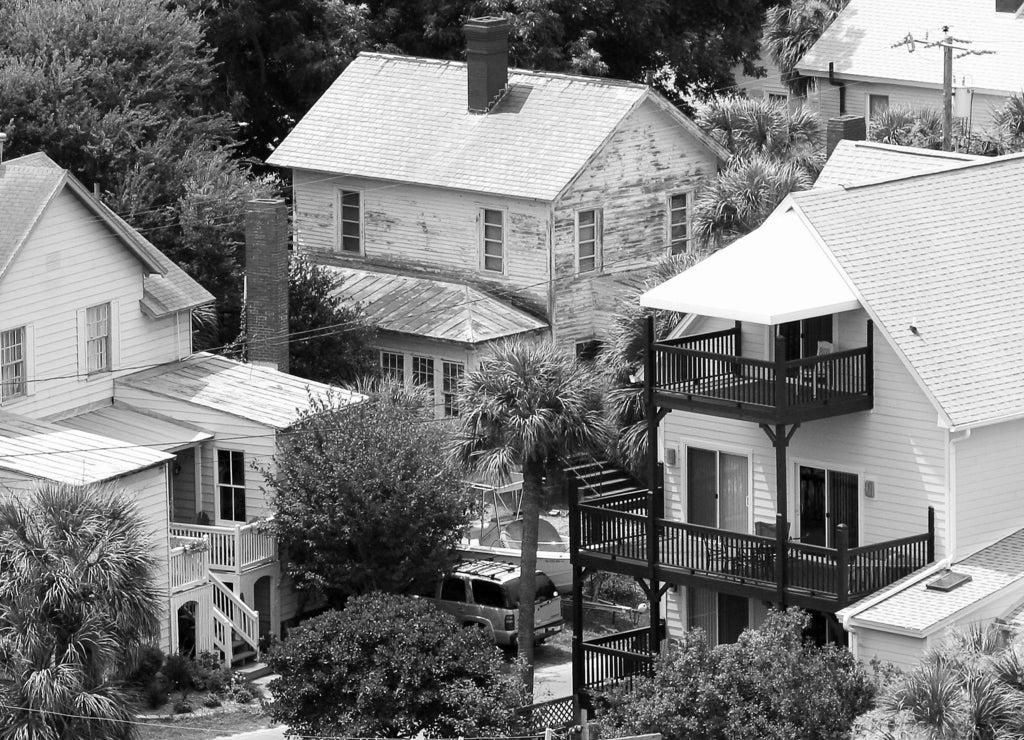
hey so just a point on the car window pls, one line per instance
(487, 593)
(453, 589)
(545, 590)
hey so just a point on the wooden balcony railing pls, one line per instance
(189, 565)
(235, 548)
(618, 533)
(612, 659)
(707, 373)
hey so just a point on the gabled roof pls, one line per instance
(942, 253)
(856, 162)
(145, 430)
(251, 392)
(910, 607)
(859, 44)
(935, 259)
(38, 449)
(406, 119)
(29, 184)
(433, 308)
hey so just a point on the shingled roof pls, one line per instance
(406, 119)
(433, 308)
(859, 44)
(29, 184)
(858, 162)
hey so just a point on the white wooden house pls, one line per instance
(99, 384)
(860, 67)
(551, 193)
(841, 414)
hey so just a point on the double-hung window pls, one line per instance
(12, 363)
(350, 221)
(231, 484)
(423, 371)
(877, 105)
(679, 222)
(588, 240)
(97, 338)
(493, 240)
(451, 376)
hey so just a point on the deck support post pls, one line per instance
(842, 566)
(931, 534)
(655, 491)
(780, 440)
(575, 541)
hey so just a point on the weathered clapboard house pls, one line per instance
(549, 193)
(838, 419)
(878, 54)
(99, 384)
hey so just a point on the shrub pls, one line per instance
(148, 664)
(183, 706)
(392, 666)
(155, 693)
(772, 684)
(244, 694)
(209, 675)
(177, 672)
(211, 701)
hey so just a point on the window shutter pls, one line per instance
(83, 360)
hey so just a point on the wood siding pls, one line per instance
(428, 229)
(439, 352)
(629, 181)
(72, 261)
(902, 651)
(898, 445)
(989, 485)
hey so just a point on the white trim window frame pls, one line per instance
(451, 375)
(493, 240)
(98, 339)
(679, 221)
(588, 227)
(392, 365)
(423, 371)
(230, 485)
(13, 364)
(349, 208)
(875, 104)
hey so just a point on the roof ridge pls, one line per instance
(591, 79)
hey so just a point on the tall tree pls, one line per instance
(791, 29)
(364, 498)
(121, 93)
(77, 600)
(528, 404)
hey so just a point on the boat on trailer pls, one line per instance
(497, 533)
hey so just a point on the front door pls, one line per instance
(828, 498)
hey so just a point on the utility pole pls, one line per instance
(948, 44)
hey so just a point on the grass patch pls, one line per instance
(204, 726)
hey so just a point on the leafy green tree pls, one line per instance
(77, 601)
(392, 666)
(771, 684)
(329, 338)
(121, 92)
(791, 29)
(364, 498)
(527, 405)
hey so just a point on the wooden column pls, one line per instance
(780, 440)
(843, 566)
(577, 592)
(652, 485)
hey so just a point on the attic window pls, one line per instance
(949, 581)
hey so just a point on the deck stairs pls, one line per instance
(235, 625)
(599, 478)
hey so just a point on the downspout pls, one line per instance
(840, 84)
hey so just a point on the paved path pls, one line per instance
(271, 733)
(552, 682)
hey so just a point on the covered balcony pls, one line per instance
(615, 534)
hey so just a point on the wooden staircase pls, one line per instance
(599, 478)
(235, 625)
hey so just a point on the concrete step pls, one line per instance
(254, 670)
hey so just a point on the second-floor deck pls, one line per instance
(614, 534)
(236, 548)
(708, 374)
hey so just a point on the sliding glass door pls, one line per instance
(828, 498)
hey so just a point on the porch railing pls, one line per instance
(233, 548)
(189, 565)
(841, 574)
(613, 659)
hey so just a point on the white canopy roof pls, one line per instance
(775, 274)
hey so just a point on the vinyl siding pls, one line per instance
(230, 433)
(630, 179)
(72, 261)
(824, 100)
(902, 651)
(989, 485)
(898, 445)
(431, 229)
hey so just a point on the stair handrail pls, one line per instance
(222, 631)
(244, 619)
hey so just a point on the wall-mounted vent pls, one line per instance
(948, 581)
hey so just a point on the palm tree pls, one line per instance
(907, 126)
(759, 126)
(790, 31)
(528, 404)
(76, 602)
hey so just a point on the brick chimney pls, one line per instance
(486, 61)
(854, 128)
(1007, 6)
(266, 282)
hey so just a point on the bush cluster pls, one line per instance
(157, 677)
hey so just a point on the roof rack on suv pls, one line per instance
(486, 568)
